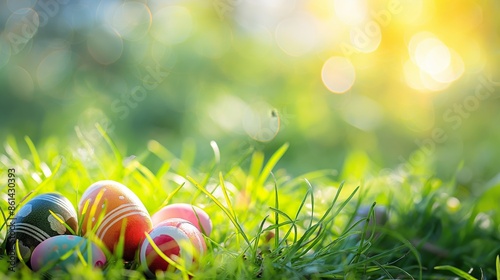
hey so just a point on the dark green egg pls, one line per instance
(34, 223)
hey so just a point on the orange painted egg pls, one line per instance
(191, 213)
(111, 207)
(178, 239)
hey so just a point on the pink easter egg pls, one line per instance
(191, 213)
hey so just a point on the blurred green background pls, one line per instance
(394, 84)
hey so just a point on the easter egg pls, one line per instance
(53, 254)
(177, 239)
(34, 223)
(109, 207)
(191, 213)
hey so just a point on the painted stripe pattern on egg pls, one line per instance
(32, 231)
(59, 202)
(116, 215)
(200, 242)
(179, 237)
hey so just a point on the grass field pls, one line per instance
(270, 225)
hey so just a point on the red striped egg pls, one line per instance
(176, 238)
(34, 223)
(112, 206)
(191, 213)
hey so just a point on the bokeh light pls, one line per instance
(338, 74)
(261, 121)
(435, 65)
(432, 56)
(226, 112)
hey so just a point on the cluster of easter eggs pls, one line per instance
(114, 221)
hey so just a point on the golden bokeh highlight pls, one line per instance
(338, 74)
(433, 66)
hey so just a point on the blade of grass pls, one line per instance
(257, 238)
(171, 195)
(216, 150)
(34, 153)
(456, 271)
(62, 222)
(226, 211)
(42, 184)
(498, 267)
(310, 192)
(165, 167)
(186, 274)
(276, 226)
(12, 150)
(271, 163)
(276, 215)
(90, 150)
(110, 143)
(226, 196)
(255, 167)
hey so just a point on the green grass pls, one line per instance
(271, 225)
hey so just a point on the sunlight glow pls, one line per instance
(351, 12)
(432, 56)
(433, 66)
